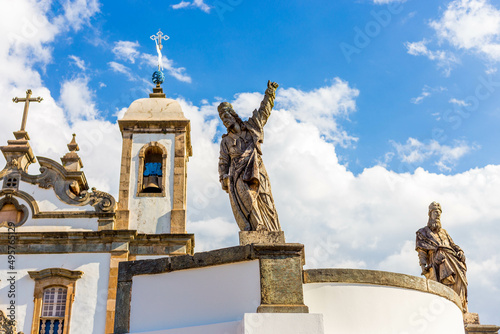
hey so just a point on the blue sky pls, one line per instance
(234, 48)
(384, 106)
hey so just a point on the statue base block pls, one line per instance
(471, 318)
(481, 329)
(261, 237)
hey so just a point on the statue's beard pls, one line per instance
(434, 224)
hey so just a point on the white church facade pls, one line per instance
(75, 260)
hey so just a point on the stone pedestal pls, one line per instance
(281, 278)
(261, 237)
(471, 318)
(481, 329)
(472, 325)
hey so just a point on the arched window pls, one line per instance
(151, 178)
(53, 310)
(152, 170)
(54, 295)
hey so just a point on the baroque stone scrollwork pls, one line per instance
(7, 326)
(102, 201)
(18, 215)
(70, 187)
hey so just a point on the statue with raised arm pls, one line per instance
(440, 258)
(241, 171)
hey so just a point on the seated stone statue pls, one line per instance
(440, 258)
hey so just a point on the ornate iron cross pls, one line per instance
(26, 101)
(158, 37)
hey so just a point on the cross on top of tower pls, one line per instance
(158, 38)
(26, 101)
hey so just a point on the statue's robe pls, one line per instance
(249, 188)
(442, 255)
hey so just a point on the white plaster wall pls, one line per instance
(151, 214)
(194, 297)
(286, 323)
(53, 224)
(363, 308)
(231, 327)
(58, 225)
(89, 307)
(258, 323)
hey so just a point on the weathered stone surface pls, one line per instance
(440, 258)
(363, 276)
(276, 308)
(241, 171)
(471, 318)
(122, 310)
(280, 267)
(261, 237)
(281, 283)
(481, 329)
(99, 242)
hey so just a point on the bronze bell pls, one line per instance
(152, 184)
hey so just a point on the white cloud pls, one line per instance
(460, 103)
(168, 64)
(182, 4)
(77, 99)
(322, 107)
(471, 25)
(426, 92)
(414, 152)
(491, 70)
(200, 4)
(120, 68)
(78, 62)
(363, 221)
(419, 99)
(445, 60)
(77, 13)
(126, 50)
(405, 259)
(26, 39)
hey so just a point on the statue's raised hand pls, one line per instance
(272, 85)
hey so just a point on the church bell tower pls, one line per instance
(155, 151)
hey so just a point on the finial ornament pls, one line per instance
(26, 101)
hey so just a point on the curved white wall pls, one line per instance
(375, 309)
(194, 297)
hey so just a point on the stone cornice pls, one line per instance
(206, 259)
(55, 272)
(98, 242)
